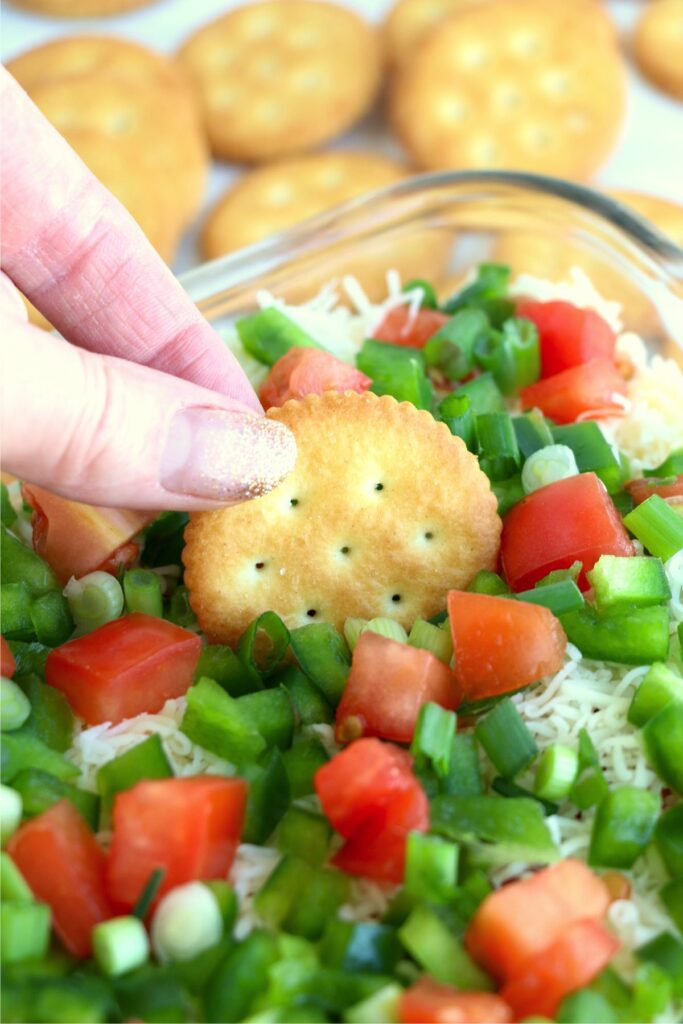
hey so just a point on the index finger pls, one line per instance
(80, 257)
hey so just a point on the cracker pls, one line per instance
(514, 84)
(271, 198)
(282, 76)
(658, 44)
(81, 8)
(384, 512)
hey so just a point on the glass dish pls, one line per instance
(437, 226)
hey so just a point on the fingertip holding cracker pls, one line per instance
(658, 44)
(513, 83)
(384, 512)
(282, 76)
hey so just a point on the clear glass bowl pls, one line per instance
(437, 226)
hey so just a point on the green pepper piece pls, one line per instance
(40, 790)
(20, 564)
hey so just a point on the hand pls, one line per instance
(146, 408)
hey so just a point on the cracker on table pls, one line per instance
(384, 512)
(658, 44)
(521, 84)
(274, 197)
(282, 76)
(81, 8)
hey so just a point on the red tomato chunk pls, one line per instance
(568, 521)
(589, 391)
(131, 665)
(430, 1002)
(568, 335)
(309, 371)
(190, 827)
(372, 798)
(7, 662)
(671, 491)
(401, 327)
(388, 684)
(501, 644)
(60, 859)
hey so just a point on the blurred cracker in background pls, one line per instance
(282, 76)
(658, 44)
(81, 8)
(521, 84)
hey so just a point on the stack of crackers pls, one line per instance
(536, 85)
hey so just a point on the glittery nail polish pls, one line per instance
(225, 456)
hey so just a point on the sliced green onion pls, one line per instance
(585, 1007)
(389, 628)
(142, 591)
(451, 349)
(434, 639)
(464, 776)
(660, 685)
(305, 835)
(360, 946)
(20, 564)
(589, 789)
(663, 739)
(94, 600)
(428, 299)
(621, 582)
(672, 466)
(21, 750)
(666, 951)
(180, 610)
(556, 772)
(455, 411)
(301, 763)
(532, 432)
(310, 707)
(13, 886)
(51, 720)
(483, 393)
(546, 466)
(491, 282)
(25, 929)
(671, 896)
(508, 493)
(325, 892)
(657, 526)
(164, 539)
(506, 739)
(592, 451)
(51, 618)
(268, 797)
(499, 454)
(396, 370)
(352, 630)
(486, 582)
(382, 1007)
(633, 636)
(560, 575)
(512, 355)
(432, 742)
(10, 812)
(269, 334)
(431, 870)
(120, 945)
(220, 663)
(652, 991)
(8, 514)
(324, 656)
(187, 921)
(560, 598)
(146, 760)
(508, 788)
(227, 901)
(263, 645)
(40, 790)
(283, 887)
(149, 893)
(499, 830)
(623, 826)
(15, 706)
(15, 601)
(436, 949)
(669, 839)
(588, 754)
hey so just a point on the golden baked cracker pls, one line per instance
(658, 44)
(521, 84)
(409, 22)
(271, 198)
(81, 8)
(384, 512)
(282, 76)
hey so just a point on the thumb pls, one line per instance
(108, 432)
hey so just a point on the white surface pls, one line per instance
(649, 156)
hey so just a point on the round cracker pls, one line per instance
(512, 83)
(658, 44)
(410, 21)
(81, 8)
(282, 76)
(384, 513)
(272, 198)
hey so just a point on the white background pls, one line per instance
(649, 156)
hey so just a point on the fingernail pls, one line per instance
(225, 456)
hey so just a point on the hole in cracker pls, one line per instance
(311, 613)
(429, 535)
(379, 487)
(396, 598)
(345, 550)
(293, 502)
(259, 565)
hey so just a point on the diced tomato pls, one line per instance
(131, 665)
(403, 327)
(388, 684)
(568, 335)
(378, 848)
(429, 1002)
(503, 935)
(568, 521)
(363, 778)
(190, 827)
(76, 539)
(671, 490)
(582, 950)
(60, 859)
(7, 662)
(584, 392)
(309, 371)
(501, 644)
